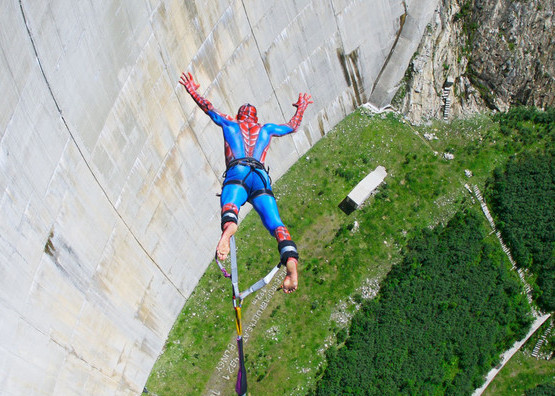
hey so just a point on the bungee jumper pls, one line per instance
(246, 179)
(246, 143)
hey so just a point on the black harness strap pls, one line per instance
(255, 166)
(246, 161)
(258, 193)
(238, 182)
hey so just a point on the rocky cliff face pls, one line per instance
(481, 54)
(513, 52)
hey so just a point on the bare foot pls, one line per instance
(290, 282)
(222, 250)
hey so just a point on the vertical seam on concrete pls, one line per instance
(81, 152)
(350, 86)
(262, 58)
(337, 26)
(178, 99)
(384, 66)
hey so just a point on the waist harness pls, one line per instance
(256, 167)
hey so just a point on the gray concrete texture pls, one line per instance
(109, 172)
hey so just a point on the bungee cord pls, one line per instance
(237, 297)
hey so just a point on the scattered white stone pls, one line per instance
(370, 289)
(355, 226)
(341, 315)
(448, 156)
(468, 173)
(430, 136)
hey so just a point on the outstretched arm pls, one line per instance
(295, 122)
(301, 105)
(191, 86)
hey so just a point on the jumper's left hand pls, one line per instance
(188, 82)
(304, 100)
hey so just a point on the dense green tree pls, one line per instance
(441, 319)
(542, 390)
(522, 196)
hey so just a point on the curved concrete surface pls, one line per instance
(109, 173)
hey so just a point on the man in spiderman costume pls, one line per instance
(246, 179)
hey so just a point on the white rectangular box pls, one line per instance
(363, 190)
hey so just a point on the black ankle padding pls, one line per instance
(287, 249)
(229, 216)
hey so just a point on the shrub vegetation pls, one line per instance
(442, 318)
(522, 196)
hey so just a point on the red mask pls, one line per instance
(247, 113)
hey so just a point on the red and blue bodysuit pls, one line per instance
(246, 143)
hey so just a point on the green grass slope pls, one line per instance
(343, 258)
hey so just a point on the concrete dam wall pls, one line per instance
(109, 172)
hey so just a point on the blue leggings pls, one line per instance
(243, 183)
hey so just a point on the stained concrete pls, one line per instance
(109, 172)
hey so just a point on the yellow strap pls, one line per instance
(238, 321)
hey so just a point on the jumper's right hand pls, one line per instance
(188, 82)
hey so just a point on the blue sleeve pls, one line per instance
(278, 129)
(219, 118)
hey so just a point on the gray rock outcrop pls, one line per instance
(495, 53)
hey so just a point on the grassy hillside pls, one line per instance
(522, 373)
(343, 258)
